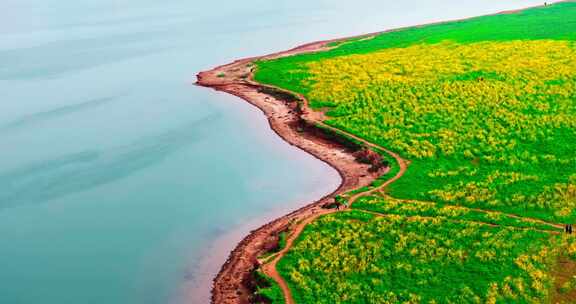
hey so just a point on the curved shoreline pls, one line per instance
(236, 78)
(230, 285)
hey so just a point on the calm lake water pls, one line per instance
(120, 182)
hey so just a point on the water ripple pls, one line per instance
(54, 113)
(55, 178)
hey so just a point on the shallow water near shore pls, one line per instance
(120, 181)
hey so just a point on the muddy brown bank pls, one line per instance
(291, 118)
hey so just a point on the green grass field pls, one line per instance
(554, 22)
(485, 110)
(355, 257)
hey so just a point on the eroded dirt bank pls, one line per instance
(291, 119)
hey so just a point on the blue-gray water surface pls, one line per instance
(120, 181)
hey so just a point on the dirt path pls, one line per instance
(522, 218)
(461, 221)
(269, 267)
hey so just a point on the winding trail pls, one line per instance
(269, 267)
(378, 214)
(511, 215)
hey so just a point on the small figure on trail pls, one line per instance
(566, 228)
